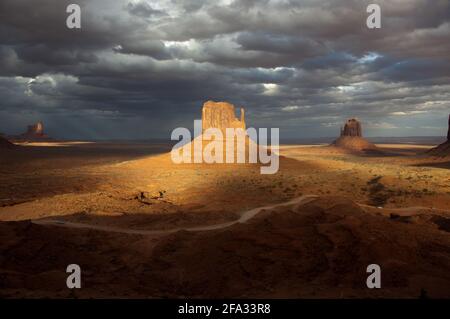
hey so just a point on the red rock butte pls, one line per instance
(352, 128)
(351, 138)
(221, 115)
(35, 129)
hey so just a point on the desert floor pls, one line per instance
(141, 226)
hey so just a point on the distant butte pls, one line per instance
(34, 132)
(351, 138)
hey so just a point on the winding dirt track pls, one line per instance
(245, 216)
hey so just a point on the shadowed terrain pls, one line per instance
(119, 212)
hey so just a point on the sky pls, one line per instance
(138, 69)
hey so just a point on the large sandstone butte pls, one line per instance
(351, 138)
(221, 115)
(352, 128)
(444, 148)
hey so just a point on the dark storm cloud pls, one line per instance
(153, 48)
(143, 9)
(331, 60)
(139, 68)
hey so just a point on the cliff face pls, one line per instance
(442, 150)
(352, 128)
(448, 133)
(221, 115)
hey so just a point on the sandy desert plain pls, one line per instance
(140, 226)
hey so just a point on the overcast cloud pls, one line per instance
(138, 69)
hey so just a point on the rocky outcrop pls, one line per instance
(351, 138)
(448, 132)
(34, 132)
(36, 129)
(442, 150)
(352, 128)
(221, 115)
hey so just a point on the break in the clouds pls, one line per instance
(138, 69)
